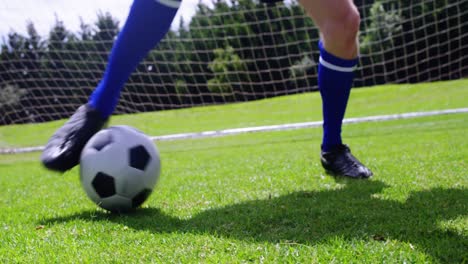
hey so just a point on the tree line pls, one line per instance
(238, 50)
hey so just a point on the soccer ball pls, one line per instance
(119, 167)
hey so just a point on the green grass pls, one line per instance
(388, 99)
(263, 197)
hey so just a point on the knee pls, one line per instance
(342, 28)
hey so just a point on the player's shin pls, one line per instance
(147, 23)
(335, 78)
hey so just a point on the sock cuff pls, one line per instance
(332, 62)
(169, 3)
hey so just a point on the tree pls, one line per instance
(384, 26)
(107, 28)
(228, 69)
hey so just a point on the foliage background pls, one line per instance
(237, 50)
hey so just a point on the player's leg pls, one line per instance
(338, 22)
(146, 24)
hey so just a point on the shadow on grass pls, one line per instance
(353, 212)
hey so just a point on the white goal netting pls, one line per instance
(53, 55)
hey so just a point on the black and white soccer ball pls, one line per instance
(119, 168)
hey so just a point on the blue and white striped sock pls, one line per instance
(147, 23)
(335, 79)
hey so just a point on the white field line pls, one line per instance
(235, 131)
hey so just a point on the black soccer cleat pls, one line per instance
(340, 162)
(63, 150)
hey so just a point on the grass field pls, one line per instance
(263, 197)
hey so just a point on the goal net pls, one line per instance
(216, 52)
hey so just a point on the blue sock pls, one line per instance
(335, 78)
(147, 23)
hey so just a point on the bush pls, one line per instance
(384, 25)
(10, 95)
